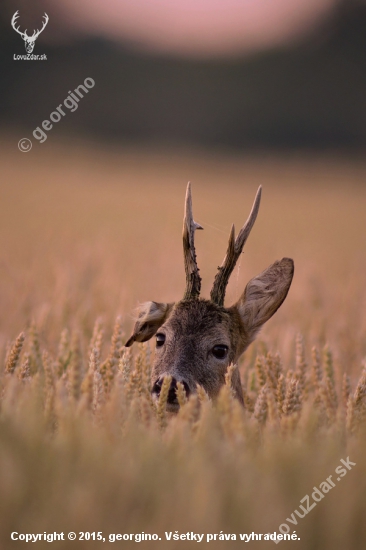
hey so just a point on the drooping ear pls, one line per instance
(151, 315)
(264, 294)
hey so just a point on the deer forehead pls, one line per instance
(200, 320)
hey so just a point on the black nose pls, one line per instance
(172, 395)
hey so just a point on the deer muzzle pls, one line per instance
(172, 404)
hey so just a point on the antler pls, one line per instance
(234, 250)
(193, 284)
(37, 33)
(13, 22)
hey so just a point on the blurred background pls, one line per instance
(228, 94)
(237, 74)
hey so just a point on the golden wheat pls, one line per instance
(73, 253)
(14, 354)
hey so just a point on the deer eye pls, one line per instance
(220, 352)
(160, 340)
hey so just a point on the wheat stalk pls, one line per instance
(163, 397)
(14, 354)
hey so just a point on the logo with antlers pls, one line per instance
(28, 40)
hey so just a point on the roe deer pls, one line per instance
(197, 339)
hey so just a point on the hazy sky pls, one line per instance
(196, 27)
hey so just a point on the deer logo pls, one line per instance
(197, 339)
(29, 41)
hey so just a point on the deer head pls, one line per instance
(29, 40)
(197, 339)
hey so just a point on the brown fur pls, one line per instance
(193, 327)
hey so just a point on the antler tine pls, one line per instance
(38, 32)
(13, 23)
(193, 279)
(14, 18)
(234, 250)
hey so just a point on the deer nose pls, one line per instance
(172, 394)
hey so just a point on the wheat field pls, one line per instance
(86, 234)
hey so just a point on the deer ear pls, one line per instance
(264, 294)
(151, 315)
